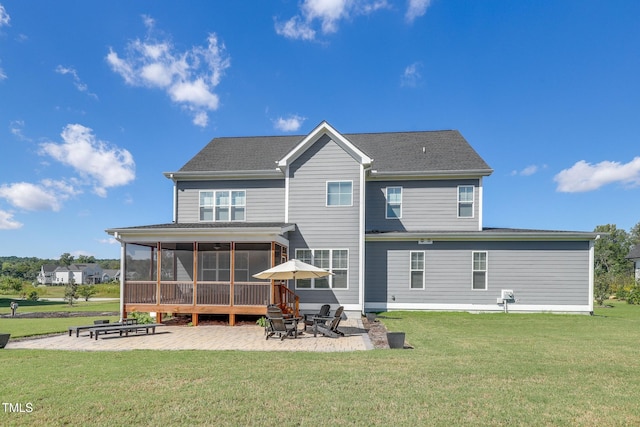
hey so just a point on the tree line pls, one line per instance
(614, 273)
(28, 268)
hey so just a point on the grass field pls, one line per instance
(25, 306)
(466, 369)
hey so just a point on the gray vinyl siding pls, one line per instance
(426, 205)
(540, 273)
(325, 227)
(264, 201)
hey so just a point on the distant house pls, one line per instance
(396, 217)
(81, 274)
(46, 274)
(110, 275)
(634, 255)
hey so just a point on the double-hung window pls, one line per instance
(339, 193)
(479, 271)
(394, 203)
(417, 269)
(223, 205)
(335, 261)
(465, 201)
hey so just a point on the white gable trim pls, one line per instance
(324, 128)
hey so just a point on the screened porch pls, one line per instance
(203, 278)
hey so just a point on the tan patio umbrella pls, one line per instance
(291, 270)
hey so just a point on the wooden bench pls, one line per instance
(146, 327)
(77, 329)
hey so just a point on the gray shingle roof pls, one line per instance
(391, 152)
(634, 253)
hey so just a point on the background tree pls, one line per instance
(71, 291)
(612, 270)
(87, 291)
(85, 259)
(66, 259)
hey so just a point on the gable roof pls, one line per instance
(634, 253)
(390, 153)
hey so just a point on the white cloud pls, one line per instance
(30, 197)
(584, 176)
(82, 87)
(104, 165)
(295, 28)
(16, 127)
(7, 222)
(4, 16)
(201, 119)
(109, 241)
(328, 13)
(4, 21)
(289, 124)
(528, 171)
(189, 77)
(416, 9)
(411, 77)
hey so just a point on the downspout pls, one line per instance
(122, 278)
(592, 245)
(175, 199)
(286, 195)
(480, 204)
(361, 240)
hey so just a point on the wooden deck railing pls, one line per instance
(207, 293)
(287, 300)
(140, 292)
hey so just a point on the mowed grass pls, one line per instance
(466, 369)
(26, 306)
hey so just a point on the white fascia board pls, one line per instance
(322, 129)
(482, 236)
(428, 175)
(223, 175)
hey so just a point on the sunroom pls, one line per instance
(202, 269)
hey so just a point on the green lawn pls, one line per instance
(466, 369)
(25, 306)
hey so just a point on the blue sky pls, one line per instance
(98, 99)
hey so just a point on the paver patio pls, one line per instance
(206, 337)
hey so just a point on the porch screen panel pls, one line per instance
(177, 261)
(140, 262)
(214, 262)
(250, 259)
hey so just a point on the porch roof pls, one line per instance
(204, 232)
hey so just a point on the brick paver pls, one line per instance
(246, 338)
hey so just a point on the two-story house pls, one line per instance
(396, 217)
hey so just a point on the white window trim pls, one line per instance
(330, 277)
(473, 197)
(486, 269)
(386, 204)
(213, 206)
(326, 193)
(424, 269)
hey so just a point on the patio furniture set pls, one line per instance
(278, 324)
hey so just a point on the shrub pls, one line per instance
(87, 291)
(142, 318)
(33, 296)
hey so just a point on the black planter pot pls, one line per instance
(395, 339)
(4, 339)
